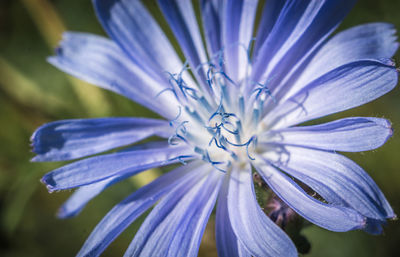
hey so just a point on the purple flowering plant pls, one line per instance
(234, 108)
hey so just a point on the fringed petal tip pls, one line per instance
(388, 61)
(35, 141)
(37, 145)
(375, 227)
(387, 125)
(32, 146)
(76, 138)
(391, 130)
(49, 182)
(355, 134)
(58, 50)
(372, 226)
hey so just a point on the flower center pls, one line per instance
(215, 119)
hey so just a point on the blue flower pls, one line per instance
(232, 109)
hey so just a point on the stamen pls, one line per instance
(165, 90)
(180, 128)
(207, 158)
(220, 118)
(263, 88)
(171, 138)
(181, 158)
(252, 139)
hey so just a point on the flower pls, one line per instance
(233, 108)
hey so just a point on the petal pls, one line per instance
(237, 30)
(78, 200)
(374, 227)
(269, 16)
(301, 27)
(211, 13)
(182, 20)
(336, 178)
(101, 62)
(176, 224)
(132, 27)
(369, 41)
(71, 139)
(354, 134)
(258, 234)
(123, 214)
(228, 244)
(346, 87)
(331, 217)
(101, 167)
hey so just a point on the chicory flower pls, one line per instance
(232, 109)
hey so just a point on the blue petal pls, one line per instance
(331, 217)
(269, 16)
(182, 20)
(336, 178)
(228, 244)
(309, 23)
(369, 41)
(374, 227)
(211, 13)
(71, 139)
(237, 30)
(301, 27)
(99, 61)
(346, 87)
(349, 135)
(176, 224)
(123, 214)
(101, 167)
(78, 200)
(258, 234)
(131, 26)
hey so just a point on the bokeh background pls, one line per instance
(32, 92)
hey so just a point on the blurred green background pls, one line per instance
(32, 92)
